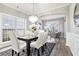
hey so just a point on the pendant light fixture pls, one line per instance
(33, 18)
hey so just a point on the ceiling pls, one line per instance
(27, 8)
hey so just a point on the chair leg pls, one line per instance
(35, 50)
(45, 45)
(38, 52)
(18, 54)
(15, 52)
(42, 48)
(23, 50)
(12, 52)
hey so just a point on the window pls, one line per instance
(12, 23)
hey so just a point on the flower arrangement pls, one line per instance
(33, 28)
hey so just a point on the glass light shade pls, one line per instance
(33, 19)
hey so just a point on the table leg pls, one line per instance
(28, 48)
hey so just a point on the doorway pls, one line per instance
(52, 27)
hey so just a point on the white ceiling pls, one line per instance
(27, 8)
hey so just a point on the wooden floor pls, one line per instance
(61, 49)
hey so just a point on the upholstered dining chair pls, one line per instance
(42, 39)
(17, 45)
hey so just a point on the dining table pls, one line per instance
(28, 40)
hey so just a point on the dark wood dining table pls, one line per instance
(28, 41)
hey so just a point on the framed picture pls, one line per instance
(76, 15)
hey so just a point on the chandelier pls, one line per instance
(33, 18)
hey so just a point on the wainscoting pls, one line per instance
(72, 40)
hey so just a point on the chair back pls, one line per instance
(45, 37)
(36, 33)
(42, 39)
(14, 41)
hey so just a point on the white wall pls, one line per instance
(0, 29)
(72, 40)
(49, 17)
(67, 22)
(58, 11)
(71, 15)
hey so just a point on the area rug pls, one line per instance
(47, 51)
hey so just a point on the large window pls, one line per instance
(20, 26)
(12, 23)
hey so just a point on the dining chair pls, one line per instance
(42, 39)
(45, 40)
(17, 45)
(57, 37)
(36, 33)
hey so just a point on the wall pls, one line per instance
(72, 40)
(57, 11)
(67, 23)
(0, 29)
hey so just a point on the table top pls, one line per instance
(26, 38)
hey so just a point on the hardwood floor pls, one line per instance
(61, 49)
